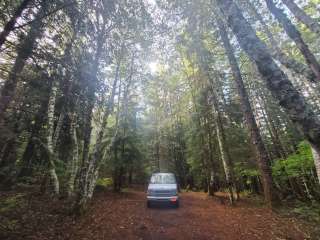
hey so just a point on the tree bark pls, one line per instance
(9, 27)
(311, 23)
(316, 158)
(82, 195)
(24, 51)
(255, 136)
(74, 162)
(213, 167)
(224, 151)
(295, 35)
(278, 54)
(276, 81)
(98, 148)
(50, 144)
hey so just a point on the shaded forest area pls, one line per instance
(97, 95)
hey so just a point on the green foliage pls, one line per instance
(295, 165)
(247, 172)
(243, 171)
(104, 182)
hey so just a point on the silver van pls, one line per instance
(163, 187)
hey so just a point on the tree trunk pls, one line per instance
(316, 158)
(50, 144)
(24, 51)
(255, 136)
(295, 35)
(98, 148)
(74, 161)
(204, 153)
(116, 171)
(311, 23)
(278, 54)
(212, 183)
(83, 194)
(9, 27)
(277, 82)
(224, 151)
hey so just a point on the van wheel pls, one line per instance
(176, 205)
(148, 204)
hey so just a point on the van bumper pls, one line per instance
(172, 199)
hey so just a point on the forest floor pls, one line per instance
(125, 216)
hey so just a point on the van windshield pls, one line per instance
(163, 179)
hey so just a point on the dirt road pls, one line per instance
(125, 216)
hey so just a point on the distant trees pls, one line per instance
(73, 65)
(79, 103)
(256, 139)
(277, 82)
(263, 127)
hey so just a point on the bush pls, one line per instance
(295, 165)
(103, 183)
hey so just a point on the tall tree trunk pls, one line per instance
(204, 154)
(10, 24)
(316, 157)
(83, 194)
(74, 161)
(255, 136)
(54, 182)
(277, 53)
(295, 35)
(24, 51)
(277, 82)
(213, 167)
(98, 148)
(224, 151)
(67, 121)
(67, 114)
(85, 180)
(116, 171)
(225, 157)
(311, 23)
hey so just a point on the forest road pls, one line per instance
(125, 216)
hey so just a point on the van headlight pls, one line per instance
(174, 192)
(150, 192)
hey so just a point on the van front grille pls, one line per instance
(164, 193)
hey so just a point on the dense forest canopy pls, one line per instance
(224, 93)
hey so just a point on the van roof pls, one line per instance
(162, 174)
